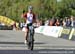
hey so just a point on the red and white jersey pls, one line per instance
(30, 17)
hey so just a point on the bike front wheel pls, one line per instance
(31, 45)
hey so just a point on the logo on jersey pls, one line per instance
(29, 18)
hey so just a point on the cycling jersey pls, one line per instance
(30, 17)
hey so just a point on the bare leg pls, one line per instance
(26, 32)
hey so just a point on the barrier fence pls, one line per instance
(56, 31)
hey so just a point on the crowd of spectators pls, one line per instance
(65, 22)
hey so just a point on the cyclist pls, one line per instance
(29, 18)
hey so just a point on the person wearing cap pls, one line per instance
(29, 20)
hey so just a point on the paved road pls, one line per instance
(12, 42)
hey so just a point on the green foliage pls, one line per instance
(43, 8)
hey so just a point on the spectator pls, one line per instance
(38, 23)
(51, 23)
(68, 22)
(46, 22)
(57, 23)
(72, 21)
(14, 26)
(63, 23)
(20, 25)
(54, 22)
(41, 22)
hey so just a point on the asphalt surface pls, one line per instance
(12, 42)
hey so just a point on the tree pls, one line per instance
(43, 8)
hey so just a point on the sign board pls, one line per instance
(7, 21)
(54, 31)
